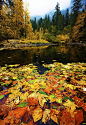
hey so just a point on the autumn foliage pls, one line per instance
(56, 97)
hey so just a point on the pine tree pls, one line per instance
(76, 9)
(57, 13)
(60, 23)
(67, 17)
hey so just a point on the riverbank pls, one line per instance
(14, 44)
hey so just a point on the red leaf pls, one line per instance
(15, 82)
(84, 106)
(78, 101)
(32, 101)
(79, 117)
(67, 119)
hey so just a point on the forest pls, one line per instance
(42, 80)
(16, 23)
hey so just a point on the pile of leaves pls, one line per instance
(56, 97)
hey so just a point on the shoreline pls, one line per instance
(16, 45)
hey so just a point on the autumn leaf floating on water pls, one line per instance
(58, 96)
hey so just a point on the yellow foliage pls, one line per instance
(77, 29)
(63, 38)
(6, 28)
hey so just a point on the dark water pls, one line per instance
(39, 55)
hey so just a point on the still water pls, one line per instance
(45, 54)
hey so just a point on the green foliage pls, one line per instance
(75, 10)
(49, 37)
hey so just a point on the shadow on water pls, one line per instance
(46, 54)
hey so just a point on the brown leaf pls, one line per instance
(19, 112)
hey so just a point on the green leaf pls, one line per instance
(20, 77)
(61, 88)
(56, 76)
(1, 97)
(52, 96)
(66, 98)
(23, 104)
(1, 83)
(42, 92)
(55, 106)
(59, 101)
(61, 82)
(31, 81)
(10, 78)
(34, 70)
(43, 87)
(6, 84)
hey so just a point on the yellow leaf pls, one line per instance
(70, 104)
(37, 114)
(41, 101)
(70, 86)
(54, 118)
(46, 115)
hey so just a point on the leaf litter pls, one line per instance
(58, 96)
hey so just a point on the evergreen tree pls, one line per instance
(53, 20)
(67, 17)
(76, 9)
(34, 24)
(60, 23)
(57, 13)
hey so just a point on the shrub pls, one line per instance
(49, 37)
(63, 38)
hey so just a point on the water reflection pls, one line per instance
(26, 55)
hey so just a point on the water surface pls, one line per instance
(46, 54)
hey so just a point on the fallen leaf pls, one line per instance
(46, 116)
(19, 112)
(84, 107)
(37, 114)
(70, 104)
(79, 117)
(1, 97)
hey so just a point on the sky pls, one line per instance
(42, 7)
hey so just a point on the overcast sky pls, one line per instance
(42, 7)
